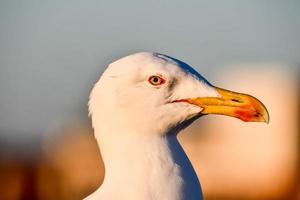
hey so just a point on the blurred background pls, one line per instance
(52, 52)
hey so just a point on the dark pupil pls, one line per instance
(155, 79)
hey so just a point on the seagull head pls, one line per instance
(152, 93)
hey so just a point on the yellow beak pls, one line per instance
(241, 106)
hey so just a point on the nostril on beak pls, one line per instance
(236, 100)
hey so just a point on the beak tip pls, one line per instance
(266, 118)
(265, 115)
(262, 117)
(266, 121)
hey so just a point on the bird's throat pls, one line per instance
(154, 167)
(140, 168)
(191, 188)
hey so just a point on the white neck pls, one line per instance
(145, 167)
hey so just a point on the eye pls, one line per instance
(156, 80)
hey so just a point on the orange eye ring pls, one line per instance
(156, 80)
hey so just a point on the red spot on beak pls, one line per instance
(246, 115)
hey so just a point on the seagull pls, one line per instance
(138, 106)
